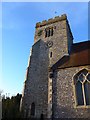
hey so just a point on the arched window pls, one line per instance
(82, 87)
(45, 33)
(51, 32)
(33, 109)
(42, 117)
(48, 32)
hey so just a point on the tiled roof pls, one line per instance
(79, 56)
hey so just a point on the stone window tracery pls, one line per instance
(82, 87)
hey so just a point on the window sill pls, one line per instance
(82, 106)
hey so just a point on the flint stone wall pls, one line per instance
(63, 94)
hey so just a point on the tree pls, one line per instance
(1, 91)
(10, 106)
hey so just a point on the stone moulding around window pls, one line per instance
(84, 81)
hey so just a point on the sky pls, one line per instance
(18, 28)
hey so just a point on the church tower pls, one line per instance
(53, 40)
(57, 35)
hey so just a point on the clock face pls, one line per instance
(49, 44)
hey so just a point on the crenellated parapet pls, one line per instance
(51, 20)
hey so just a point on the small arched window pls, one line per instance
(33, 109)
(48, 32)
(51, 32)
(82, 87)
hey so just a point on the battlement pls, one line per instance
(51, 20)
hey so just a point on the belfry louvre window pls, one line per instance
(48, 32)
(82, 87)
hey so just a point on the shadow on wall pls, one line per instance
(37, 83)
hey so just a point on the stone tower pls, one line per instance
(53, 40)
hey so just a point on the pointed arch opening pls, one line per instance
(33, 109)
(82, 87)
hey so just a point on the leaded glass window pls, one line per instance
(82, 87)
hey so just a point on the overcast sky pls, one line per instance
(18, 28)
